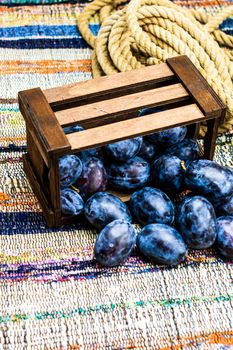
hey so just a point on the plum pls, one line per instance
(168, 174)
(71, 202)
(225, 236)
(151, 110)
(90, 153)
(168, 137)
(103, 207)
(115, 243)
(197, 222)
(72, 128)
(162, 244)
(147, 151)
(224, 207)
(93, 177)
(70, 168)
(150, 205)
(130, 175)
(185, 150)
(209, 179)
(123, 150)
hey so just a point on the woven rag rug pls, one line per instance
(53, 294)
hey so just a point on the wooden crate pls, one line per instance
(107, 108)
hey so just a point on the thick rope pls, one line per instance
(147, 32)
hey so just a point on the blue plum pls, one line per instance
(71, 202)
(147, 151)
(168, 174)
(146, 111)
(115, 243)
(70, 168)
(197, 222)
(93, 177)
(150, 205)
(209, 179)
(185, 150)
(123, 150)
(225, 236)
(103, 207)
(168, 137)
(224, 207)
(132, 174)
(72, 128)
(162, 244)
(90, 153)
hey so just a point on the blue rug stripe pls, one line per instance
(31, 223)
(227, 26)
(14, 148)
(44, 31)
(52, 43)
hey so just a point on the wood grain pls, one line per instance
(35, 156)
(211, 138)
(134, 127)
(41, 119)
(36, 186)
(54, 187)
(105, 87)
(103, 112)
(203, 94)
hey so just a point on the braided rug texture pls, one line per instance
(53, 294)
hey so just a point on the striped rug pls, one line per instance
(53, 294)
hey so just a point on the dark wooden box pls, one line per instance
(107, 108)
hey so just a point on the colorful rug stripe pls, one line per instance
(111, 307)
(74, 269)
(44, 54)
(44, 31)
(45, 67)
(52, 43)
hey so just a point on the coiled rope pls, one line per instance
(147, 32)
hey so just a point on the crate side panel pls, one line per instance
(40, 117)
(54, 186)
(38, 163)
(39, 191)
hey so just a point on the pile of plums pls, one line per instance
(157, 168)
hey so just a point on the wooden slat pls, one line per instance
(203, 94)
(106, 86)
(134, 127)
(42, 121)
(102, 111)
